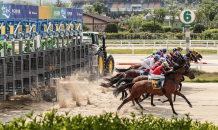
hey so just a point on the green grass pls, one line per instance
(149, 51)
(203, 77)
(108, 121)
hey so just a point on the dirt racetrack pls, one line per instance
(73, 96)
(203, 97)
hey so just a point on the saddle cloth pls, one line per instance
(154, 83)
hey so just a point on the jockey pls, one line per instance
(31, 47)
(158, 71)
(149, 63)
(152, 55)
(9, 50)
(159, 53)
(170, 61)
(158, 64)
(177, 50)
(164, 51)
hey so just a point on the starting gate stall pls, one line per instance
(41, 67)
(2, 79)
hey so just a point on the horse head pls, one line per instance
(198, 56)
(187, 71)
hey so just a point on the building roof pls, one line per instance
(102, 18)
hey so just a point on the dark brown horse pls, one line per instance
(169, 88)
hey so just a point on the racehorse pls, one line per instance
(189, 55)
(169, 88)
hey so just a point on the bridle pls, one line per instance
(187, 70)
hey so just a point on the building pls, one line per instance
(96, 22)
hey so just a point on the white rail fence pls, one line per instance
(155, 44)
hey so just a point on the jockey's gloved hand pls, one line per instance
(147, 70)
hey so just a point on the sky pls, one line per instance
(34, 1)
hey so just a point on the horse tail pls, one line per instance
(112, 78)
(116, 79)
(122, 70)
(124, 80)
(122, 88)
(107, 85)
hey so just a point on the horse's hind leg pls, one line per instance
(180, 94)
(137, 101)
(130, 98)
(152, 98)
(145, 96)
(133, 103)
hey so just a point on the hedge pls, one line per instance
(162, 36)
(167, 28)
(107, 121)
(149, 26)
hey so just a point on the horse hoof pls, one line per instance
(190, 105)
(175, 113)
(153, 105)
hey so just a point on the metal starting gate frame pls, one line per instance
(21, 72)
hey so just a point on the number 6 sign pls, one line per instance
(187, 16)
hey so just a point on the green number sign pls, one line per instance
(187, 16)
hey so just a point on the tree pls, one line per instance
(21, 2)
(111, 28)
(173, 9)
(146, 11)
(89, 9)
(98, 7)
(85, 27)
(160, 14)
(209, 8)
(134, 22)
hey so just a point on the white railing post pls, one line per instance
(154, 45)
(121, 43)
(144, 43)
(132, 49)
(180, 43)
(207, 45)
(213, 43)
(128, 45)
(167, 44)
(217, 49)
(200, 64)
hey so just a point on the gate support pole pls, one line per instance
(187, 34)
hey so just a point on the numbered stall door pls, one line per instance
(2, 79)
(34, 69)
(18, 71)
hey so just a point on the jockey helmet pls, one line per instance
(159, 53)
(164, 50)
(168, 55)
(157, 57)
(180, 48)
(165, 64)
(154, 52)
(9, 46)
(162, 59)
